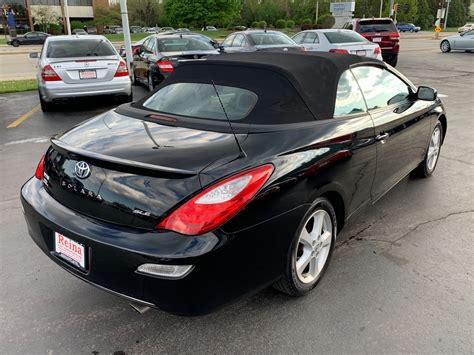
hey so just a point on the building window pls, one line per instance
(79, 2)
(45, 2)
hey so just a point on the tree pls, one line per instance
(457, 14)
(203, 12)
(44, 17)
(326, 21)
(106, 16)
(408, 11)
(424, 16)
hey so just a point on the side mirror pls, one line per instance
(34, 55)
(426, 93)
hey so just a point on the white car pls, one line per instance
(466, 27)
(462, 42)
(80, 66)
(338, 41)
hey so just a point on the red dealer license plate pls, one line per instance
(87, 74)
(70, 250)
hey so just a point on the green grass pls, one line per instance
(17, 85)
(3, 41)
(219, 34)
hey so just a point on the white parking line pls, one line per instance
(29, 140)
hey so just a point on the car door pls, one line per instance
(139, 61)
(239, 44)
(226, 44)
(465, 41)
(402, 125)
(311, 41)
(359, 171)
(30, 38)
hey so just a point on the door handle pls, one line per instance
(381, 137)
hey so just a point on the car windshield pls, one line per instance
(344, 37)
(182, 44)
(377, 26)
(79, 48)
(200, 101)
(268, 38)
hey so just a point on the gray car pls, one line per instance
(80, 66)
(462, 42)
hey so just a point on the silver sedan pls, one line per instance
(80, 66)
(462, 42)
(338, 41)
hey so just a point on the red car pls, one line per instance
(382, 31)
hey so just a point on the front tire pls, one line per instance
(15, 43)
(310, 251)
(445, 46)
(393, 61)
(428, 165)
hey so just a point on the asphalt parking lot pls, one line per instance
(401, 278)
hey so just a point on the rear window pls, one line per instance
(377, 26)
(271, 38)
(344, 37)
(182, 44)
(201, 101)
(79, 48)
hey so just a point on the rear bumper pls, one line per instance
(226, 266)
(55, 90)
(390, 51)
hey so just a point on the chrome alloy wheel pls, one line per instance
(313, 246)
(433, 149)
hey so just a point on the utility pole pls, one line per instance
(317, 12)
(126, 34)
(446, 17)
(66, 16)
(391, 9)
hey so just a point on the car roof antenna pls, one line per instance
(242, 152)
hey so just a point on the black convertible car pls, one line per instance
(235, 174)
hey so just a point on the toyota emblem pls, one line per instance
(82, 170)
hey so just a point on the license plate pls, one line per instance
(361, 53)
(87, 74)
(376, 39)
(70, 250)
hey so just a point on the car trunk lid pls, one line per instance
(180, 57)
(130, 171)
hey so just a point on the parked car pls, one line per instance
(466, 27)
(381, 31)
(135, 47)
(151, 29)
(111, 29)
(183, 29)
(463, 42)
(80, 66)
(79, 31)
(28, 38)
(135, 29)
(199, 36)
(160, 55)
(407, 27)
(258, 40)
(209, 28)
(118, 30)
(92, 30)
(166, 29)
(159, 202)
(337, 41)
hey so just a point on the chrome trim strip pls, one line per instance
(60, 144)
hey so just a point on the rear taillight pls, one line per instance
(121, 69)
(165, 65)
(340, 51)
(48, 74)
(217, 203)
(40, 169)
(377, 50)
(394, 36)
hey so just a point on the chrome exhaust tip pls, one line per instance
(139, 308)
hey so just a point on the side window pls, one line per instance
(380, 87)
(228, 41)
(238, 41)
(311, 38)
(145, 45)
(348, 26)
(299, 37)
(152, 45)
(349, 99)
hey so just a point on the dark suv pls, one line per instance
(382, 31)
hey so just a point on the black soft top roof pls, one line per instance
(313, 76)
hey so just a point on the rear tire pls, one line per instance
(428, 165)
(15, 43)
(310, 251)
(393, 61)
(126, 99)
(46, 106)
(445, 46)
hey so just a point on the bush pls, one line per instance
(55, 29)
(326, 21)
(290, 24)
(254, 24)
(306, 27)
(77, 25)
(306, 21)
(317, 27)
(280, 24)
(262, 24)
